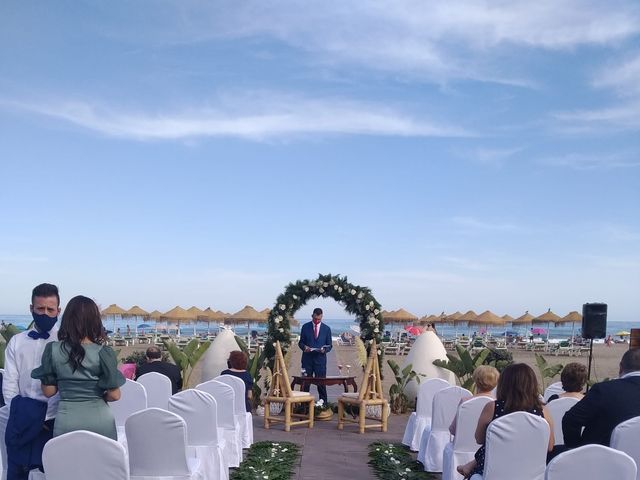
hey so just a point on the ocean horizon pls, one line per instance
(338, 326)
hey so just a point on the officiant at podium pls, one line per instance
(315, 342)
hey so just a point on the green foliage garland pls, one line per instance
(392, 461)
(356, 300)
(268, 460)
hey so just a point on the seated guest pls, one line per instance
(605, 405)
(573, 378)
(517, 392)
(156, 364)
(237, 364)
(485, 379)
(84, 371)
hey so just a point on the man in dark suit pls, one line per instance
(155, 364)
(605, 406)
(315, 342)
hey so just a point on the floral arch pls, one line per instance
(356, 300)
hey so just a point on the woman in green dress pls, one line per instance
(84, 371)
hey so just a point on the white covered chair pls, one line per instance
(553, 389)
(626, 438)
(225, 398)
(4, 417)
(436, 437)
(133, 398)
(245, 420)
(557, 408)
(73, 455)
(591, 462)
(200, 412)
(158, 388)
(157, 443)
(421, 418)
(464, 446)
(516, 448)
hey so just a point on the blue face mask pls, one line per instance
(44, 322)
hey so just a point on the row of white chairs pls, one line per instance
(210, 420)
(427, 430)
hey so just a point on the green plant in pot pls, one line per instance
(323, 411)
(397, 396)
(464, 364)
(546, 370)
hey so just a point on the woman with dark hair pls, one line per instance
(517, 392)
(237, 364)
(84, 371)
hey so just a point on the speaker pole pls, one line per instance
(590, 356)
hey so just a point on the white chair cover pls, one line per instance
(464, 446)
(158, 389)
(409, 429)
(157, 442)
(244, 418)
(626, 438)
(553, 389)
(225, 398)
(422, 415)
(591, 462)
(557, 408)
(445, 405)
(80, 455)
(133, 398)
(4, 417)
(200, 412)
(516, 448)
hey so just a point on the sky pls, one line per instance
(448, 155)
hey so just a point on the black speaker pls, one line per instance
(594, 320)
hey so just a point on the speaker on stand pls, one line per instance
(594, 325)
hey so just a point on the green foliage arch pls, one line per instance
(356, 300)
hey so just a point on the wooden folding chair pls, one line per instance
(281, 392)
(370, 394)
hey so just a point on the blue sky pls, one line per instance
(476, 155)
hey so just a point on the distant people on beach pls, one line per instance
(128, 331)
(573, 378)
(156, 364)
(84, 371)
(605, 405)
(237, 364)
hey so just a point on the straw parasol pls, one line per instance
(208, 315)
(199, 316)
(113, 310)
(156, 314)
(136, 311)
(178, 315)
(470, 316)
(547, 318)
(401, 316)
(487, 319)
(524, 319)
(507, 318)
(572, 318)
(247, 315)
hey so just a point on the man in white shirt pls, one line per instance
(24, 353)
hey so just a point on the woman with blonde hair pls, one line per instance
(485, 379)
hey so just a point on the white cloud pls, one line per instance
(602, 161)
(623, 77)
(255, 116)
(488, 156)
(619, 117)
(436, 40)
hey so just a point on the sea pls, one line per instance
(338, 326)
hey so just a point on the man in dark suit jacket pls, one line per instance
(155, 364)
(315, 342)
(606, 405)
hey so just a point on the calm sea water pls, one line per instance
(337, 326)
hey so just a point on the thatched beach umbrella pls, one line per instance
(507, 318)
(547, 318)
(136, 311)
(487, 319)
(210, 316)
(199, 316)
(178, 315)
(113, 310)
(522, 320)
(572, 318)
(247, 315)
